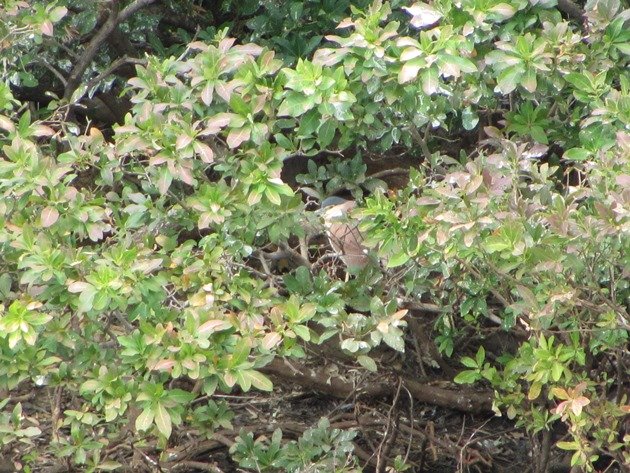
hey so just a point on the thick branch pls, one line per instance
(571, 9)
(121, 43)
(189, 465)
(319, 380)
(132, 8)
(90, 51)
(113, 20)
(462, 399)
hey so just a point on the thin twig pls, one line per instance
(386, 444)
(411, 422)
(57, 74)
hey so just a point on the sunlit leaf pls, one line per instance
(162, 420)
(144, 420)
(410, 69)
(422, 14)
(49, 216)
(237, 136)
(258, 380)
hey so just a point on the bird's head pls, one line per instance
(335, 208)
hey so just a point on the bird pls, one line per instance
(343, 233)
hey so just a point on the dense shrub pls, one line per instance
(139, 271)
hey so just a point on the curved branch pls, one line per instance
(113, 20)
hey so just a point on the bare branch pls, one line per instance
(389, 172)
(113, 20)
(112, 67)
(572, 10)
(58, 74)
(132, 8)
(320, 380)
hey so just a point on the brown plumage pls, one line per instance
(343, 233)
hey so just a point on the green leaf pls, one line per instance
(240, 354)
(577, 458)
(466, 377)
(163, 420)
(503, 10)
(457, 64)
(88, 386)
(528, 80)
(430, 81)
(308, 124)
(5, 285)
(164, 180)
(568, 445)
(496, 243)
(468, 362)
(398, 259)
(577, 154)
(508, 79)
(480, 356)
(623, 47)
(538, 133)
(259, 133)
(86, 299)
(283, 141)
(326, 133)
(238, 105)
(368, 363)
(350, 344)
(180, 396)
(273, 196)
(243, 381)
(470, 119)
(556, 371)
(101, 300)
(144, 420)
(303, 332)
(579, 81)
(394, 339)
(258, 380)
(295, 104)
(534, 391)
